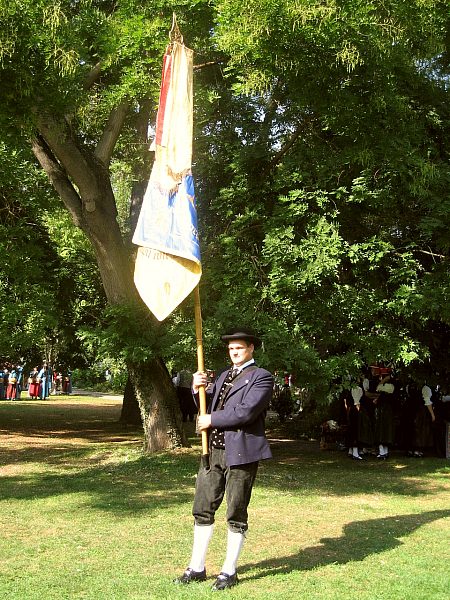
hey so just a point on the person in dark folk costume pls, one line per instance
(366, 420)
(183, 384)
(411, 405)
(384, 414)
(5, 380)
(19, 382)
(353, 407)
(2, 382)
(441, 409)
(67, 382)
(423, 423)
(238, 401)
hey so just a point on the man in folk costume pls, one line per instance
(19, 383)
(238, 401)
(167, 269)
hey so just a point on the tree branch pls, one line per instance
(430, 253)
(107, 142)
(58, 178)
(279, 155)
(141, 168)
(92, 76)
(64, 147)
(207, 64)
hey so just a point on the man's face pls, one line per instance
(240, 352)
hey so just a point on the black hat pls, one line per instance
(242, 333)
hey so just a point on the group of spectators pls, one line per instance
(384, 412)
(376, 413)
(11, 381)
(286, 397)
(40, 383)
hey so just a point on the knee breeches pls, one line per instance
(212, 485)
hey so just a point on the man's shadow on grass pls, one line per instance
(359, 540)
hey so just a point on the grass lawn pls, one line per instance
(84, 515)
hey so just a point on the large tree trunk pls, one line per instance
(163, 426)
(81, 178)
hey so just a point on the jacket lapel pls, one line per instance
(239, 383)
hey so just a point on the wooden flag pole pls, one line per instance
(200, 367)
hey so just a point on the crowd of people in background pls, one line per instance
(11, 381)
(381, 412)
(376, 412)
(42, 381)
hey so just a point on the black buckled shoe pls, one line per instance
(190, 575)
(225, 581)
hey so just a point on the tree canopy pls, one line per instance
(321, 168)
(332, 199)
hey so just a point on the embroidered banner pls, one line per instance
(168, 265)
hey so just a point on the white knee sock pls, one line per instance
(235, 542)
(202, 537)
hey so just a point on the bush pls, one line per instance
(94, 379)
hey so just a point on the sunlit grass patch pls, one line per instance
(84, 514)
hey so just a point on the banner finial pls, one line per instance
(175, 33)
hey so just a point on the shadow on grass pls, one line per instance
(82, 449)
(144, 484)
(125, 484)
(358, 540)
(40, 418)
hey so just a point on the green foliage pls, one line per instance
(93, 377)
(48, 278)
(321, 166)
(325, 207)
(49, 53)
(122, 334)
(26, 289)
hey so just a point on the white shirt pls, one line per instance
(246, 364)
(426, 395)
(386, 387)
(357, 394)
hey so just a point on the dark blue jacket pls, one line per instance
(243, 416)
